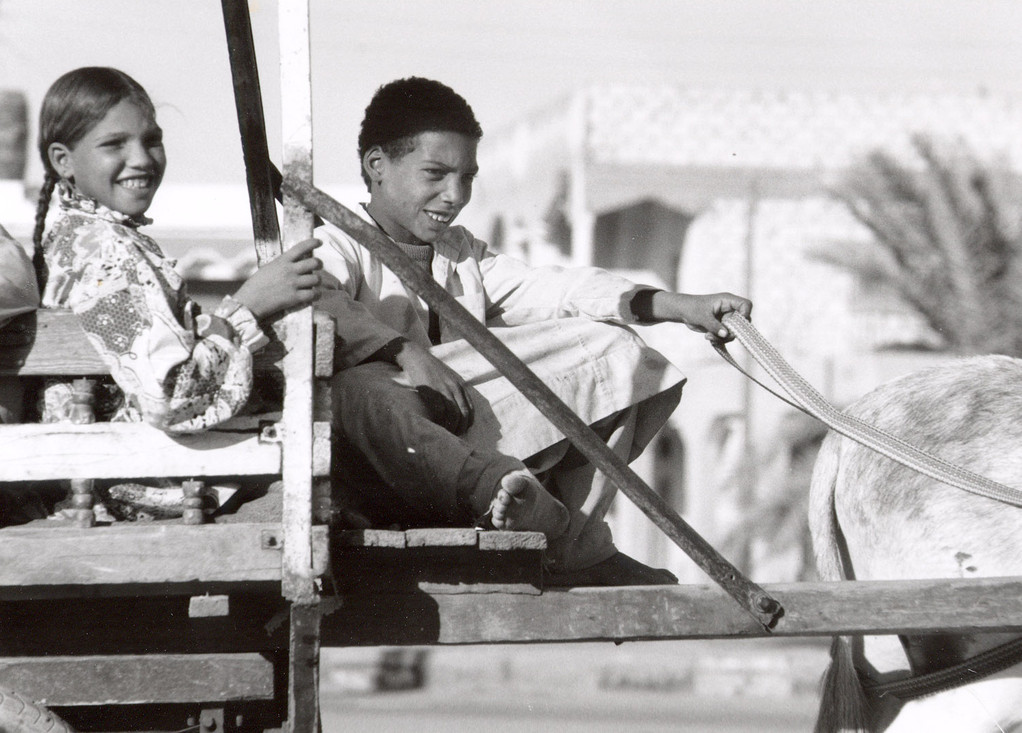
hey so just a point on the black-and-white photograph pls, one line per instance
(539, 366)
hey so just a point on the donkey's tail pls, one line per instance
(844, 706)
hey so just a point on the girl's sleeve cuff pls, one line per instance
(244, 324)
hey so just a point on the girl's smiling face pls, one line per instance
(119, 162)
(416, 197)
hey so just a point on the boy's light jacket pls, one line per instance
(553, 318)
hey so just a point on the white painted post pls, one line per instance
(299, 582)
(296, 127)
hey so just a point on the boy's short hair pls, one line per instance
(402, 109)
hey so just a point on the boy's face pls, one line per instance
(416, 197)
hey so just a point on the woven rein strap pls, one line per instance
(972, 669)
(807, 399)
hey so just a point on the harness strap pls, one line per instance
(807, 399)
(973, 669)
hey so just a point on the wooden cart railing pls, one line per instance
(162, 613)
(218, 626)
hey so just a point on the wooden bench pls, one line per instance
(198, 607)
(51, 343)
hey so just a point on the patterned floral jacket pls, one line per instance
(176, 369)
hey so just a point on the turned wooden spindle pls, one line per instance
(83, 412)
(83, 404)
(193, 502)
(82, 500)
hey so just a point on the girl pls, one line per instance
(171, 366)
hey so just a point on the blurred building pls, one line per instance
(705, 190)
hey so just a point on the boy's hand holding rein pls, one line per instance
(701, 313)
(287, 281)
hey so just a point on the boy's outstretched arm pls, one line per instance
(701, 313)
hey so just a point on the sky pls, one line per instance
(506, 58)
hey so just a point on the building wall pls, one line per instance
(749, 173)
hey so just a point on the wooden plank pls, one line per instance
(100, 680)
(437, 561)
(142, 624)
(510, 541)
(299, 579)
(296, 129)
(324, 344)
(674, 612)
(436, 569)
(129, 450)
(441, 537)
(150, 553)
(51, 342)
(445, 537)
(321, 449)
(369, 538)
(303, 669)
(48, 342)
(209, 605)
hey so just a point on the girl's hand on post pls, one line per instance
(701, 313)
(287, 281)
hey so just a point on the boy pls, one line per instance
(430, 433)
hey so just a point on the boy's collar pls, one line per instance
(441, 246)
(71, 198)
(372, 220)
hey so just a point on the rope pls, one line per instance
(975, 668)
(806, 398)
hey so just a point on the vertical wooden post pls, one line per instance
(299, 581)
(296, 127)
(252, 125)
(83, 496)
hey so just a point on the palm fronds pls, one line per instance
(946, 238)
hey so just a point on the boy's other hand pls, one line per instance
(441, 388)
(290, 280)
(701, 313)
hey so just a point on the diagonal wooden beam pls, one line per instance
(749, 596)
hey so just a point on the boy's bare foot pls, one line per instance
(619, 569)
(521, 503)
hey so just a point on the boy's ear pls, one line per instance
(372, 163)
(60, 158)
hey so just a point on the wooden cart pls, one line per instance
(213, 623)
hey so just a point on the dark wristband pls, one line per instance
(642, 304)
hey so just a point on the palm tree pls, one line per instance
(947, 234)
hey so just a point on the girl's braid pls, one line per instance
(42, 207)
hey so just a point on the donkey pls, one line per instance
(873, 519)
